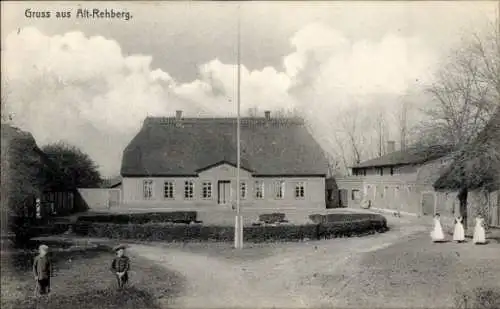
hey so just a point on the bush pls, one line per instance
(351, 226)
(281, 233)
(341, 225)
(143, 218)
(272, 218)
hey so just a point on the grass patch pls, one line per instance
(83, 279)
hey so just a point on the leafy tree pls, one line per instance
(72, 168)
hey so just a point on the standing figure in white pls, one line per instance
(479, 232)
(437, 234)
(459, 233)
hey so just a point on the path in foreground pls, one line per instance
(287, 279)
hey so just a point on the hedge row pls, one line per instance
(198, 232)
(142, 218)
(345, 217)
(272, 218)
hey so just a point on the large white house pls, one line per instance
(178, 162)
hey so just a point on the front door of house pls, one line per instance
(224, 192)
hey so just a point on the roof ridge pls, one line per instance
(222, 120)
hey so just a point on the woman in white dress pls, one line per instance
(437, 234)
(479, 232)
(458, 233)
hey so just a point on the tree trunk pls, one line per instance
(462, 197)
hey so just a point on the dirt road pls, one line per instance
(292, 278)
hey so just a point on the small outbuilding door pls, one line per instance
(428, 201)
(223, 192)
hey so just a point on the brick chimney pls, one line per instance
(267, 114)
(391, 146)
(178, 115)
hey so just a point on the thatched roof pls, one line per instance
(413, 155)
(21, 164)
(478, 165)
(184, 147)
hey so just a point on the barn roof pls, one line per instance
(478, 165)
(181, 147)
(406, 157)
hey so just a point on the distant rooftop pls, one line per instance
(409, 156)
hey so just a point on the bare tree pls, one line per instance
(466, 94)
(402, 120)
(380, 129)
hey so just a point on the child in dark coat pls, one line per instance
(120, 266)
(42, 270)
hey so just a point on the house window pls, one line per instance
(355, 195)
(364, 172)
(206, 191)
(381, 171)
(300, 190)
(355, 172)
(188, 189)
(168, 190)
(280, 189)
(147, 189)
(243, 190)
(392, 171)
(259, 189)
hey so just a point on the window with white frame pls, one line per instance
(168, 190)
(188, 189)
(243, 190)
(279, 187)
(147, 189)
(300, 190)
(206, 191)
(259, 189)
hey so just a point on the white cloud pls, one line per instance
(61, 86)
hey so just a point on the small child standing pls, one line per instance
(121, 266)
(42, 271)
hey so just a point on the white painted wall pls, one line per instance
(314, 191)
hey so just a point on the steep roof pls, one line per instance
(478, 164)
(269, 147)
(407, 157)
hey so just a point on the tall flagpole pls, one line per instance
(238, 231)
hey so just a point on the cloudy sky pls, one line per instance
(91, 82)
